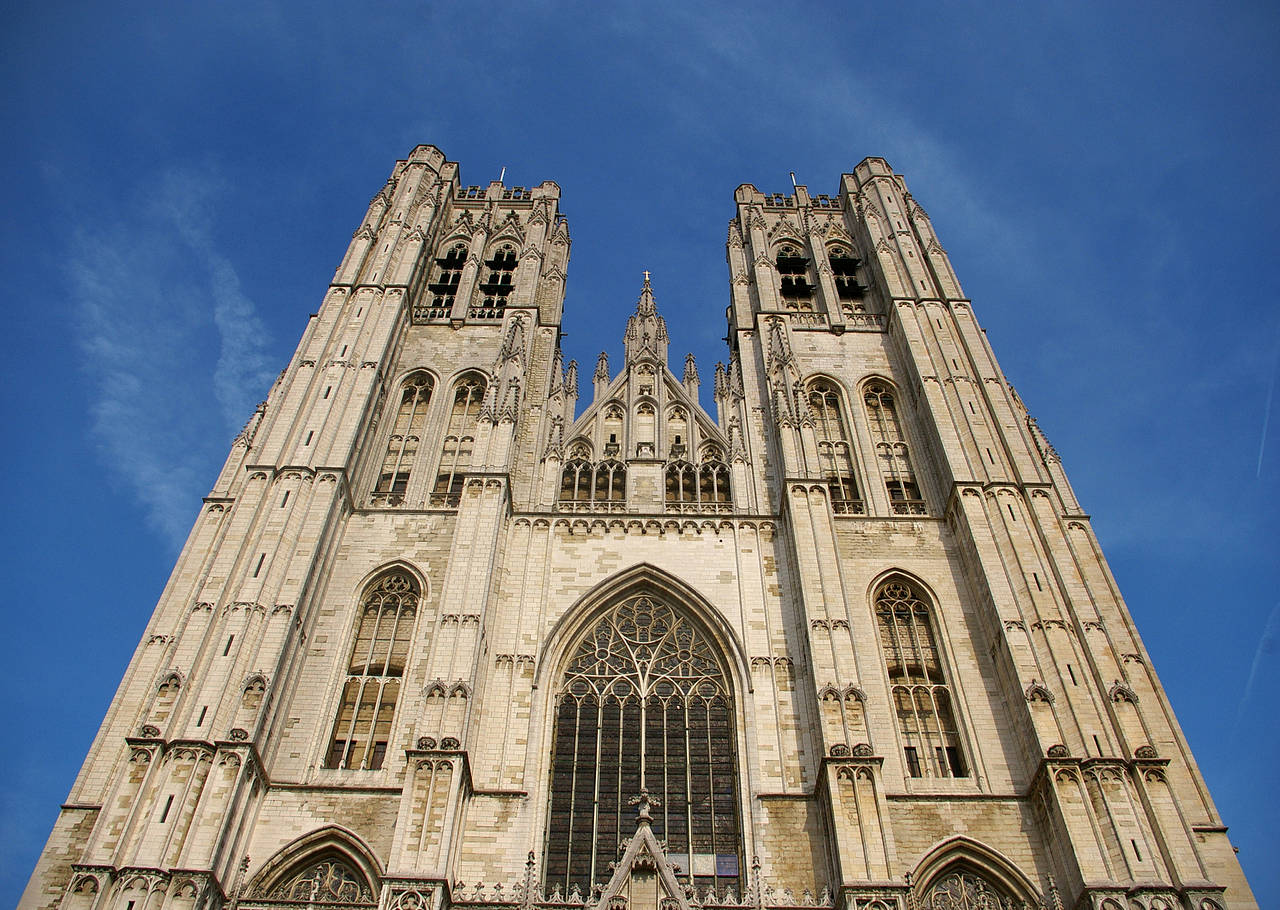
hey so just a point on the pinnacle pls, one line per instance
(646, 305)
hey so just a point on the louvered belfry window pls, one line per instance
(644, 703)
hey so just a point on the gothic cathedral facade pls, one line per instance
(442, 638)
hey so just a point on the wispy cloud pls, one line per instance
(1267, 646)
(243, 369)
(147, 288)
(1266, 410)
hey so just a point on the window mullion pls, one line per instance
(573, 794)
(711, 783)
(354, 724)
(688, 791)
(921, 734)
(595, 793)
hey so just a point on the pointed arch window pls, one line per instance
(682, 483)
(921, 696)
(697, 488)
(835, 459)
(677, 433)
(498, 283)
(459, 441)
(362, 729)
(644, 702)
(844, 270)
(444, 285)
(612, 430)
(575, 481)
(593, 487)
(793, 270)
(713, 483)
(404, 442)
(610, 482)
(891, 449)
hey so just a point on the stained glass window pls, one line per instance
(644, 703)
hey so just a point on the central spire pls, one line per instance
(646, 306)
(646, 334)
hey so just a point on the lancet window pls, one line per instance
(498, 283)
(793, 270)
(612, 430)
(921, 696)
(644, 703)
(590, 486)
(404, 441)
(697, 487)
(835, 459)
(677, 433)
(891, 449)
(844, 270)
(362, 729)
(444, 286)
(459, 441)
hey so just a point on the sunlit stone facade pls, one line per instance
(442, 637)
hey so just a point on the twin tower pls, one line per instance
(445, 637)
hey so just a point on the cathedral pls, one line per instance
(444, 636)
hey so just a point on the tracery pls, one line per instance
(644, 704)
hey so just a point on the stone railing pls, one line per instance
(695, 507)
(424, 313)
(481, 897)
(867, 322)
(485, 313)
(809, 320)
(572, 505)
(909, 507)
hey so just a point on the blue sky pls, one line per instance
(183, 179)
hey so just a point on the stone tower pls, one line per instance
(440, 638)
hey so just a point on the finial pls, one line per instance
(645, 802)
(571, 379)
(645, 305)
(690, 369)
